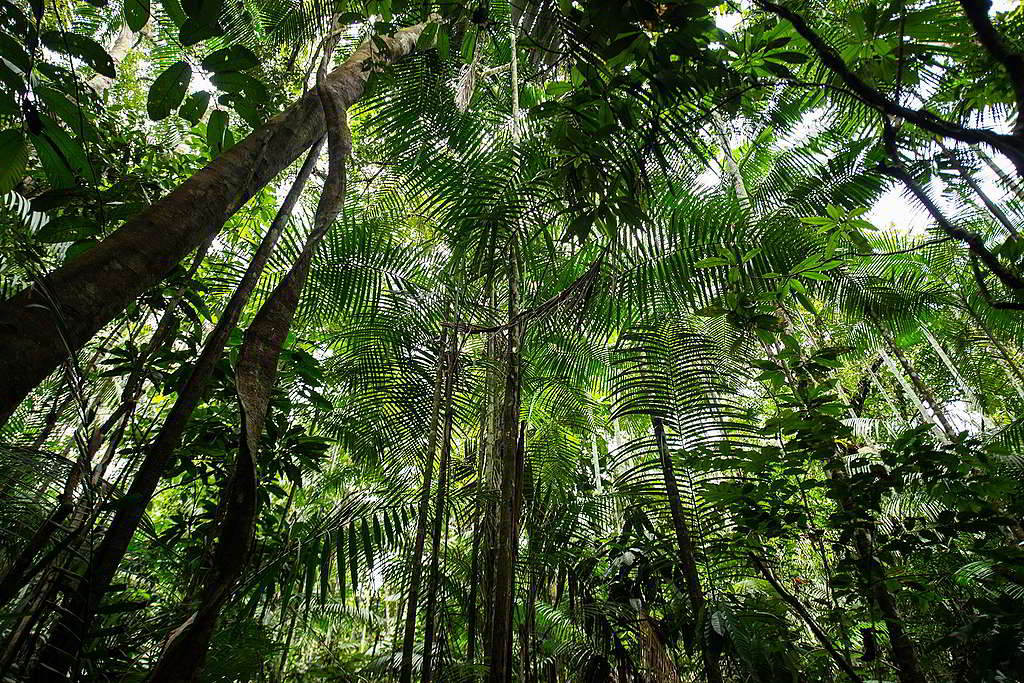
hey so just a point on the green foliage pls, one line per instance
(684, 224)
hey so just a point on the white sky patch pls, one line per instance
(728, 21)
(201, 81)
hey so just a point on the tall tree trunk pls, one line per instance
(430, 620)
(686, 548)
(509, 496)
(472, 609)
(926, 409)
(412, 606)
(873, 575)
(41, 324)
(69, 632)
(923, 390)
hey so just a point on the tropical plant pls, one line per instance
(511, 340)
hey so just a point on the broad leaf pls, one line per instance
(13, 158)
(136, 14)
(86, 49)
(194, 107)
(168, 90)
(234, 58)
(14, 52)
(218, 135)
(62, 157)
(203, 20)
(234, 82)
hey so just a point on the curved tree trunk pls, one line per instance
(40, 325)
(69, 632)
(186, 648)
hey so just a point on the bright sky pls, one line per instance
(894, 209)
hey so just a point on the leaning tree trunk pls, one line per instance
(65, 309)
(255, 375)
(69, 632)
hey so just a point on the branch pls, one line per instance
(1009, 145)
(977, 13)
(973, 240)
(540, 309)
(806, 617)
(993, 208)
(979, 278)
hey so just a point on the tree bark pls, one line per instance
(439, 517)
(509, 449)
(409, 634)
(255, 376)
(40, 325)
(69, 632)
(686, 548)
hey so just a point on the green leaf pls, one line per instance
(580, 227)
(325, 569)
(244, 106)
(234, 58)
(13, 158)
(806, 303)
(62, 157)
(711, 262)
(443, 44)
(750, 254)
(790, 57)
(367, 544)
(202, 22)
(67, 228)
(77, 249)
(14, 52)
(811, 275)
(339, 540)
(136, 14)
(428, 37)
(194, 31)
(353, 556)
(234, 82)
(168, 89)
(13, 83)
(67, 111)
(711, 311)
(86, 49)
(13, 20)
(174, 11)
(468, 46)
(194, 107)
(217, 132)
